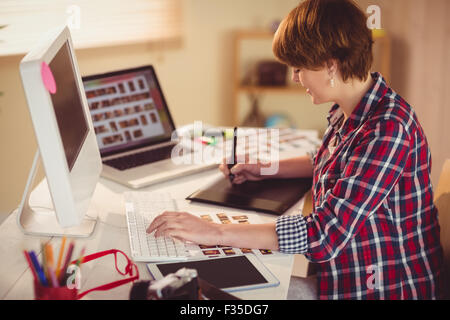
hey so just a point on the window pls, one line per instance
(93, 23)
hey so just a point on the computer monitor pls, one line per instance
(66, 139)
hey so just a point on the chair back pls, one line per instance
(442, 202)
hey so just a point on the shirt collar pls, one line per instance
(365, 107)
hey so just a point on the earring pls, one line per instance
(332, 83)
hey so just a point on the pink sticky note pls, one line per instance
(47, 78)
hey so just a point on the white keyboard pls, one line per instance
(141, 208)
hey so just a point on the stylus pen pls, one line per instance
(233, 155)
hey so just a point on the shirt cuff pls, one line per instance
(292, 234)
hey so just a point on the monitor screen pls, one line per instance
(128, 110)
(67, 104)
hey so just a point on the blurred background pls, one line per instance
(215, 64)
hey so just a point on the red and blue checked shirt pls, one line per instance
(374, 228)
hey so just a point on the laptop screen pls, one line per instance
(128, 110)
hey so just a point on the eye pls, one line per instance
(296, 71)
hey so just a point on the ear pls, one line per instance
(332, 67)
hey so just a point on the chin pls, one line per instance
(316, 101)
(319, 100)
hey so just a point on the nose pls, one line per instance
(295, 77)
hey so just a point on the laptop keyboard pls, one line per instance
(142, 158)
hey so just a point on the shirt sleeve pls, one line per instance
(312, 156)
(372, 169)
(292, 234)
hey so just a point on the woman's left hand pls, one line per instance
(186, 227)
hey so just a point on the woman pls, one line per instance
(374, 230)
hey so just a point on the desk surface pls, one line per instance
(112, 232)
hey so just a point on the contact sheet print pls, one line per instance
(207, 251)
(286, 143)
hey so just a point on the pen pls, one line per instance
(30, 264)
(61, 252)
(38, 268)
(233, 155)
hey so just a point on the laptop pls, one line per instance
(134, 128)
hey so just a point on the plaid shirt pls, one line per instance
(374, 229)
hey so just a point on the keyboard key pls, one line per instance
(142, 207)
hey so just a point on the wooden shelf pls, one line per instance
(241, 36)
(382, 55)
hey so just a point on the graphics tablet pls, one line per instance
(273, 196)
(230, 274)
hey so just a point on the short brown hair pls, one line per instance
(320, 30)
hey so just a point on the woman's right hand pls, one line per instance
(243, 172)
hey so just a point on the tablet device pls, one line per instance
(230, 274)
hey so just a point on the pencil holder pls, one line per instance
(49, 293)
(65, 293)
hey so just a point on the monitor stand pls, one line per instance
(42, 221)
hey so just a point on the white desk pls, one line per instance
(112, 233)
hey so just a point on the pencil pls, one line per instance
(44, 259)
(49, 255)
(53, 279)
(62, 273)
(80, 259)
(61, 252)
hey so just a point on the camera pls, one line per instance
(182, 285)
